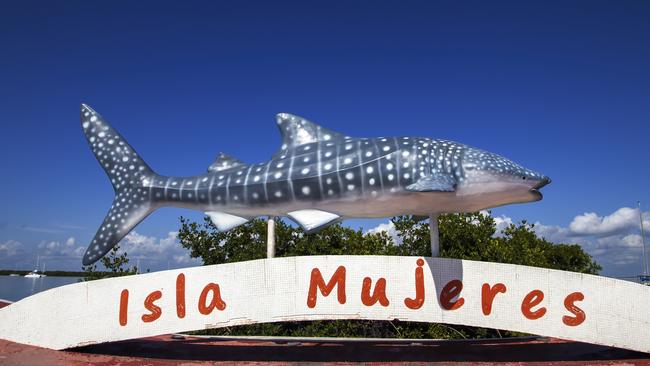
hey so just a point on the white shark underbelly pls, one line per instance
(385, 205)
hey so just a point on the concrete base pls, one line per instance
(163, 350)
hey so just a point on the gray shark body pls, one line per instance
(317, 178)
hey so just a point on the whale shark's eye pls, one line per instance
(524, 177)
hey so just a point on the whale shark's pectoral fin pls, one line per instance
(224, 221)
(429, 183)
(224, 162)
(313, 220)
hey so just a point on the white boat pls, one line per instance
(34, 274)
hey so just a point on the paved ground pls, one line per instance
(163, 350)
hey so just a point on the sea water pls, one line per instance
(14, 288)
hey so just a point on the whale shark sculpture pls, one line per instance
(317, 177)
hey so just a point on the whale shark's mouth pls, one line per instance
(535, 189)
(537, 194)
(544, 181)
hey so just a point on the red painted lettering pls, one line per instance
(378, 295)
(216, 301)
(317, 282)
(487, 296)
(451, 290)
(418, 301)
(531, 300)
(579, 314)
(124, 306)
(154, 310)
(180, 295)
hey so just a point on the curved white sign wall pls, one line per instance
(533, 300)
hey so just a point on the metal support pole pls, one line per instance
(435, 235)
(270, 238)
(645, 260)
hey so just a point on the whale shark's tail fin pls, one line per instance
(130, 177)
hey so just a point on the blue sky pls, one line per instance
(560, 87)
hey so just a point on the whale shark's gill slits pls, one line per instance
(369, 167)
(450, 155)
(441, 157)
(449, 152)
(429, 158)
(131, 177)
(425, 151)
(349, 168)
(454, 161)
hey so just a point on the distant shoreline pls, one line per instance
(7, 272)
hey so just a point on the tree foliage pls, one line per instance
(464, 236)
(115, 263)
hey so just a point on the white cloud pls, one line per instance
(56, 249)
(10, 248)
(557, 234)
(153, 252)
(613, 240)
(620, 250)
(387, 227)
(502, 222)
(160, 251)
(41, 229)
(618, 222)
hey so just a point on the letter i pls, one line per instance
(124, 307)
(180, 295)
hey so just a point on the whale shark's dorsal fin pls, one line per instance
(224, 162)
(298, 131)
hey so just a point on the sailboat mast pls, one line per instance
(645, 260)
